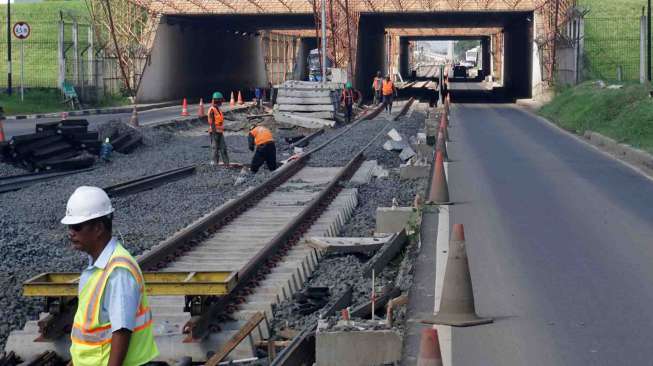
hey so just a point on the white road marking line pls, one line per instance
(441, 254)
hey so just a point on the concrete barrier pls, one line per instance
(358, 348)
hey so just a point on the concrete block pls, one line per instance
(414, 171)
(363, 348)
(392, 220)
(424, 150)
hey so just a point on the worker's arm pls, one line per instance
(250, 141)
(119, 346)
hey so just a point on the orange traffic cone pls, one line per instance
(458, 232)
(240, 98)
(2, 132)
(457, 302)
(439, 190)
(429, 348)
(201, 110)
(184, 108)
(441, 145)
(232, 101)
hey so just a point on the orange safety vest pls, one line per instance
(388, 87)
(261, 135)
(215, 118)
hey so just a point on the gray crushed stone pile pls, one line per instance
(33, 241)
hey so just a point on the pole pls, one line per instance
(373, 294)
(324, 40)
(22, 70)
(648, 31)
(9, 47)
(642, 48)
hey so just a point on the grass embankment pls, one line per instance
(47, 100)
(625, 115)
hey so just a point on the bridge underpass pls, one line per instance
(195, 54)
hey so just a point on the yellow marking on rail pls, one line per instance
(61, 284)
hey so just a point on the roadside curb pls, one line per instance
(89, 112)
(638, 160)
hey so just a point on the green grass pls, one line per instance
(612, 38)
(625, 115)
(47, 100)
(41, 65)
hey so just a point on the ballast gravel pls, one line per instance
(32, 240)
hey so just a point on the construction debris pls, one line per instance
(347, 245)
(306, 104)
(124, 138)
(58, 145)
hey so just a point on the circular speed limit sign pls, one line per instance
(21, 30)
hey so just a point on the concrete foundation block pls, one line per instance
(414, 171)
(364, 348)
(392, 220)
(424, 150)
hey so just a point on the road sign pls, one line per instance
(21, 30)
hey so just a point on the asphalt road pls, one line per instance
(560, 240)
(24, 126)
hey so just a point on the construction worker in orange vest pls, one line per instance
(216, 130)
(389, 91)
(376, 86)
(349, 96)
(261, 142)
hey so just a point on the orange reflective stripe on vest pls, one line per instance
(388, 87)
(215, 117)
(261, 135)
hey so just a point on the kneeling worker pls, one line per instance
(113, 322)
(261, 142)
(216, 130)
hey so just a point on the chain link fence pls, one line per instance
(58, 52)
(612, 48)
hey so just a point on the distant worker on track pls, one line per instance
(348, 97)
(389, 91)
(261, 142)
(216, 130)
(377, 84)
(113, 322)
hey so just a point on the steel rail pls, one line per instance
(150, 181)
(58, 324)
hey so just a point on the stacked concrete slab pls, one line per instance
(306, 104)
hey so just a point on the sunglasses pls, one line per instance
(76, 227)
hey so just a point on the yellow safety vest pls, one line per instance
(91, 340)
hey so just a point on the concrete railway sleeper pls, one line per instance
(271, 262)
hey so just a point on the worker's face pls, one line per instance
(83, 235)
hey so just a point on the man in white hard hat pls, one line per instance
(113, 322)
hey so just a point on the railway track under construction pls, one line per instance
(213, 284)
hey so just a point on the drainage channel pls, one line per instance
(245, 237)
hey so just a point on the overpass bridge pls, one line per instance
(187, 48)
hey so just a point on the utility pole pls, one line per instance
(9, 47)
(648, 31)
(324, 40)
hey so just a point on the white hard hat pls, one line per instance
(86, 203)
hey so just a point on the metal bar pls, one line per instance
(149, 182)
(342, 302)
(243, 332)
(25, 180)
(63, 284)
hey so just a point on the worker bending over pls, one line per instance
(216, 130)
(261, 142)
(113, 322)
(389, 91)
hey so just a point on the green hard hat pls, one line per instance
(348, 85)
(217, 95)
